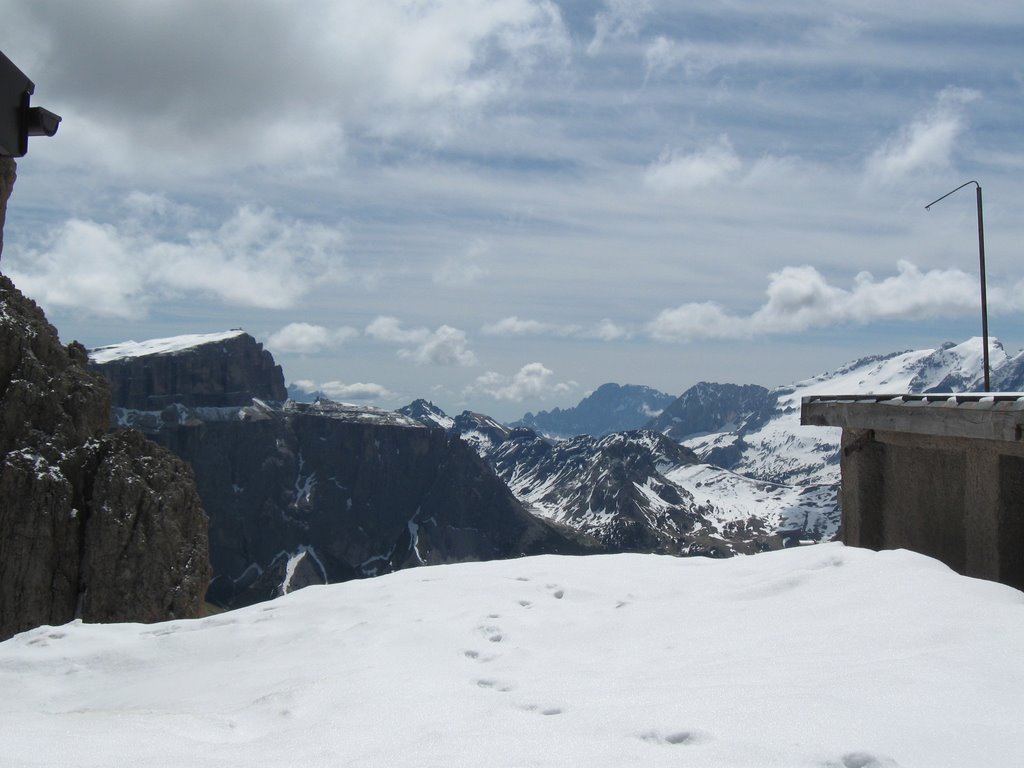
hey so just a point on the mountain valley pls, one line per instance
(303, 493)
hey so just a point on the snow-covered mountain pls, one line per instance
(427, 413)
(640, 491)
(816, 657)
(771, 445)
(609, 408)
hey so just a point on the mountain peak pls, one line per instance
(609, 408)
(425, 412)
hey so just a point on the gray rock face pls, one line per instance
(609, 408)
(321, 493)
(104, 527)
(231, 370)
(707, 407)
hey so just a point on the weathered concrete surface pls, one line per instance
(946, 480)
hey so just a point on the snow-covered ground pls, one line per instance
(817, 656)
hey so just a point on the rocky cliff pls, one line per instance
(221, 369)
(104, 527)
(707, 407)
(315, 493)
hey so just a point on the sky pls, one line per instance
(600, 661)
(502, 205)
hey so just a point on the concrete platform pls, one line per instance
(940, 474)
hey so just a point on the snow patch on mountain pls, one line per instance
(167, 346)
(781, 450)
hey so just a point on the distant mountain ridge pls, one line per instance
(305, 493)
(609, 408)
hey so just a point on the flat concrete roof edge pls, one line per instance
(978, 415)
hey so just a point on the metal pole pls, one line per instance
(981, 260)
(984, 295)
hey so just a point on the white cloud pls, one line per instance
(619, 19)
(463, 269)
(533, 380)
(800, 298)
(442, 346)
(704, 320)
(674, 172)
(514, 326)
(605, 329)
(286, 86)
(255, 258)
(337, 390)
(928, 141)
(306, 338)
(665, 54)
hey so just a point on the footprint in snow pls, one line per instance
(674, 738)
(493, 634)
(494, 685)
(548, 711)
(863, 760)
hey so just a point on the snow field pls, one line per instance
(817, 656)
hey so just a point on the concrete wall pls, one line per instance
(959, 499)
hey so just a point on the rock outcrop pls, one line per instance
(210, 370)
(323, 492)
(103, 527)
(706, 407)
